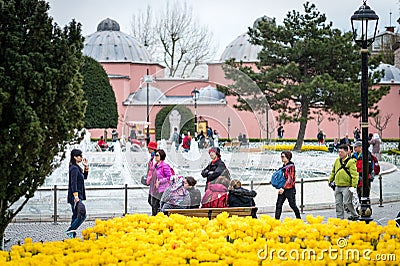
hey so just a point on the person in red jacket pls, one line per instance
(102, 144)
(186, 142)
(288, 191)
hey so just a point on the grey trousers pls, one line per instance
(343, 198)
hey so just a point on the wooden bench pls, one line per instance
(232, 146)
(211, 213)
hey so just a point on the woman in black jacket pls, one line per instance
(76, 190)
(216, 168)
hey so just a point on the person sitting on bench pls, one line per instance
(175, 196)
(241, 197)
(216, 195)
(102, 144)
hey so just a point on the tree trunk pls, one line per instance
(3, 227)
(302, 129)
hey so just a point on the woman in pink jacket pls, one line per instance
(160, 179)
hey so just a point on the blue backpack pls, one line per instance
(278, 179)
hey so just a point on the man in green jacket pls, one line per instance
(345, 175)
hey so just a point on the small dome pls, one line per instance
(108, 24)
(255, 24)
(155, 95)
(109, 44)
(392, 74)
(210, 93)
(241, 49)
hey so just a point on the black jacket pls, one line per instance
(76, 183)
(195, 197)
(214, 170)
(241, 197)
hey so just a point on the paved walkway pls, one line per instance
(45, 231)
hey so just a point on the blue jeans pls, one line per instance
(76, 221)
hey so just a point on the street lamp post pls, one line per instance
(147, 79)
(363, 22)
(229, 127)
(195, 97)
(399, 133)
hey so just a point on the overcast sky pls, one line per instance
(226, 19)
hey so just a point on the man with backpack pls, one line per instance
(358, 156)
(344, 174)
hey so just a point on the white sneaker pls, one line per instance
(70, 233)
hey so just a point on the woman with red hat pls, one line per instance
(216, 167)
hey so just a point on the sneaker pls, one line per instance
(347, 209)
(353, 218)
(70, 234)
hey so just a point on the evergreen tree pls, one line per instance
(101, 110)
(305, 65)
(41, 100)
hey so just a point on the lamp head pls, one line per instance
(364, 23)
(195, 94)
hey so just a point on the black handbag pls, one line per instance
(143, 180)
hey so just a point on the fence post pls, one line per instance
(55, 205)
(380, 191)
(126, 199)
(302, 195)
(251, 185)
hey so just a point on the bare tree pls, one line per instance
(143, 28)
(174, 38)
(319, 118)
(339, 121)
(380, 122)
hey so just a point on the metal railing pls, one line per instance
(125, 189)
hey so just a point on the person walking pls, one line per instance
(288, 191)
(321, 137)
(195, 194)
(186, 142)
(376, 145)
(216, 138)
(344, 174)
(358, 156)
(357, 134)
(280, 131)
(175, 138)
(345, 140)
(76, 190)
(151, 147)
(160, 180)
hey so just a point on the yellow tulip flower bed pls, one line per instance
(144, 240)
(289, 147)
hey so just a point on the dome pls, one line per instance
(392, 74)
(109, 44)
(108, 24)
(241, 49)
(155, 95)
(210, 93)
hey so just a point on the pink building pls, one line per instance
(126, 62)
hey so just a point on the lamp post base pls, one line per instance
(365, 210)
